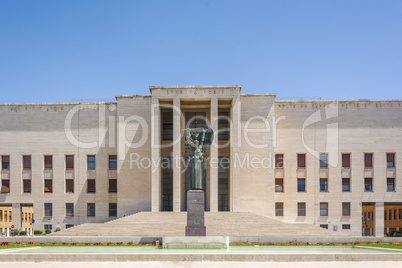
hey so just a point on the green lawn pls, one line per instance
(24, 245)
(381, 245)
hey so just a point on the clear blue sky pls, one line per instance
(59, 51)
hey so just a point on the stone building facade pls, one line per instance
(332, 164)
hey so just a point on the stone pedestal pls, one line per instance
(195, 213)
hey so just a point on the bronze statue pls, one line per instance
(198, 139)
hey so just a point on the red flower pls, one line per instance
(53, 243)
(308, 243)
(129, 243)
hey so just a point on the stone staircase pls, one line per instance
(217, 223)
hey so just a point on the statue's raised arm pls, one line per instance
(189, 137)
(203, 136)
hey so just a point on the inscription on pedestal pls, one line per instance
(195, 213)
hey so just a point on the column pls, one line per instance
(213, 168)
(156, 154)
(176, 155)
(235, 140)
(379, 219)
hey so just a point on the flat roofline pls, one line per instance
(132, 96)
(57, 103)
(341, 101)
(233, 87)
(258, 95)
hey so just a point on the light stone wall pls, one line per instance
(256, 180)
(38, 130)
(134, 177)
(364, 127)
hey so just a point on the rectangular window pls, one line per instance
(278, 209)
(26, 186)
(279, 160)
(5, 162)
(223, 183)
(48, 210)
(69, 209)
(112, 161)
(26, 162)
(69, 161)
(48, 162)
(394, 214)
(390, 160)
(91, 187)
(48, 226)
(112, 209)
(278, 185)
(323, 185)
(346, 226)
(5, 186)
(48, 186)
(223, 125)
(368, 160)
(69, 226)
(91, 209)
(70, 186)
(91, 162)
(167, 184)
(301, 160)
(385, 215)
(346, 160)
(368, 184)
(323, 209)
(400, 214)
(346, 209)
(167, 126)
(323, 160)
(390, 184)
(301, 209)
(345, 184)
(301, 185)
(325, 226)
(112, 186)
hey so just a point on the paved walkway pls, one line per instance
(200, 264)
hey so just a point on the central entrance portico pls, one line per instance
(179, 107)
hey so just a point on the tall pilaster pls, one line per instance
(379, 219)
(16, 215)
(176, 155)
(156, 154)
(235, 139)
(213, 169)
